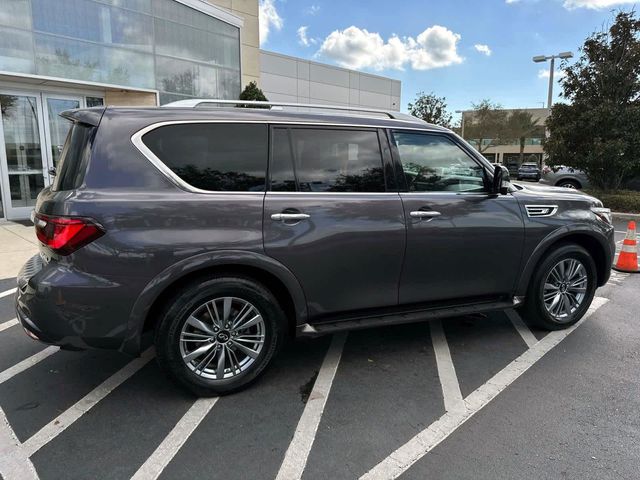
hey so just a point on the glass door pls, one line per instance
(21, 153)
(56, 126)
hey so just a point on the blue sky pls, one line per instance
(465, 50)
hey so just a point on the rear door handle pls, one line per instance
(424, 214)
(284, 217)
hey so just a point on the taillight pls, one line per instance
(65, 235)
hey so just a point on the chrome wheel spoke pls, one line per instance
(246, 350)
(226, 309)
(199, 325)
(250, 323)
(197, 352)
(221, 361)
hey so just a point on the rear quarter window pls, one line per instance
(213, 156)
(74, 157)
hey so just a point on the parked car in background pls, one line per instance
(221, 231)
(567, 177)
(529, 171)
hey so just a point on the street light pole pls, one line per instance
(551, 71)
(544, 58)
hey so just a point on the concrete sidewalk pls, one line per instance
(18, 243)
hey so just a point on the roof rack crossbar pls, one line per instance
(197, 102)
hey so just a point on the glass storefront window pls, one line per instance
(159, 44)
(94, 101)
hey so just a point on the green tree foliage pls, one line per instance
(253, 93)
(599, 131)
(431, 109)
(521, 125)
(486, 126)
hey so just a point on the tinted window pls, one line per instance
(211, 156)
(324, 160)
(434, 163)
(74, 157)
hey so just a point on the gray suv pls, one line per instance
(219, 232)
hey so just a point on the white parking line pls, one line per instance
(14, 464)
(173, 442)
(295, 459)
(522, 328)
(26, 363)
(8, 324)
(73, 413)
(446, 370)
(8, 292)
(404, 457)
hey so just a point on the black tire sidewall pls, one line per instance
(186, 301)
(535, 310)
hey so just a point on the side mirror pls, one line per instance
(500, 176)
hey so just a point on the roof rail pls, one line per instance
(198, 102)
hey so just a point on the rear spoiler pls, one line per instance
(90, 116)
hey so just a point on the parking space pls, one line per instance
(481, 396)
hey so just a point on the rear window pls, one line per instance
(74, 157)
(213, 156)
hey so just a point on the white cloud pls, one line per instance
(303, 38)
(512, 1)
(358, 48)
(312, 10)
(595, 4)
(484, 49)
(557, 74)
(268, 18)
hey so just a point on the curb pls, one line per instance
(632, 216)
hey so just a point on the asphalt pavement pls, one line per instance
(469, 397)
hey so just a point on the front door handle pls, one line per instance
(288, 217)
(424, 214)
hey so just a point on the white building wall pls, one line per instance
(289, 79)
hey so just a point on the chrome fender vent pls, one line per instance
(541, 210)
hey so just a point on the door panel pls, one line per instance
(347, 255)
(473, 248)
(462, 242)
(328, 218)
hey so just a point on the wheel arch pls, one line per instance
(578, 183)
(586, 238)
(273, 275)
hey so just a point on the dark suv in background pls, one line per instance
(221, 231)
(529, 171)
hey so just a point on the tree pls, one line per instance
(599, 131)
(521, 125)
(253, 93)
(486, 125)
(431, 109)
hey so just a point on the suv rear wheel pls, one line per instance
(569, 184)
(561, 289)
(218, 335)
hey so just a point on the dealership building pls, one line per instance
(61, 54)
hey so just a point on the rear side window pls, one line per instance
(213, 156)
(74, 157)
(326, 160)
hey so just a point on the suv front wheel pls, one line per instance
(561, 289)
(218, 335)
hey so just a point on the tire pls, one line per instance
(569, 184)
(176, 337)
(536, 312)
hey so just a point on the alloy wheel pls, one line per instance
(565, 289)
(222, 338)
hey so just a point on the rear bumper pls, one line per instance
(62, 306)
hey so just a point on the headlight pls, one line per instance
(603, 214)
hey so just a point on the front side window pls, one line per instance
(326, 160)
(433, 163)
(213, 156)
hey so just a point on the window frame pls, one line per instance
(383, 146)
(399, 169)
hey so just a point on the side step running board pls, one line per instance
(307, 330)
